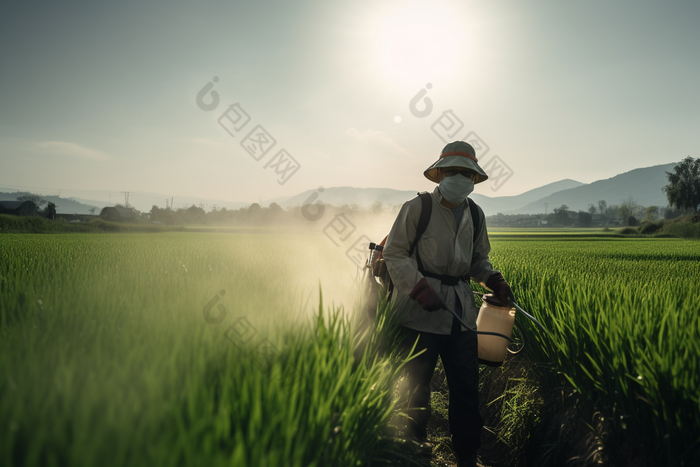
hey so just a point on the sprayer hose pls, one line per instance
(484, 333)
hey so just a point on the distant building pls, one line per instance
(118, 214)
(18, 208)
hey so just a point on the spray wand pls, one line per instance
(528, 315)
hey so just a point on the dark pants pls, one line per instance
(459, 354)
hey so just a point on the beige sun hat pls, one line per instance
(456, 154)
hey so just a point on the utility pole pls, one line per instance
(126, 198)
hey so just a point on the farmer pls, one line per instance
(436, 275)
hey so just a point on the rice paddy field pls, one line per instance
(206, 348)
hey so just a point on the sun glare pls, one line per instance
(419, 43)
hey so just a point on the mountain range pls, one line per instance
(643, 185)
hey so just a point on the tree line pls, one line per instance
(682, 192)
(255, 214)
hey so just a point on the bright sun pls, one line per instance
(420, 42)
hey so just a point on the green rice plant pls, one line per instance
(624, 330)
(107, 357)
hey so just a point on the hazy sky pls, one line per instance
(103, 96)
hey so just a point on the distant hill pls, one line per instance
(365, 197)
(63, 205)
(337, 196)
(505, 204)
(644, 186)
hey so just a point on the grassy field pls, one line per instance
(624, 331)
(208, 348)
(110, 356)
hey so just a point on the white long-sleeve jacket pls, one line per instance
(444, 249)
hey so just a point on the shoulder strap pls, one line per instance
(476, 218)
(426, 211)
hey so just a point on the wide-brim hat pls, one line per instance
(456, 154)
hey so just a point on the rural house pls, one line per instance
(18, 208)
(118, 214)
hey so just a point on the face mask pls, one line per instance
(455, 189)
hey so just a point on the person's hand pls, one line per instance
(500, 288)
(426, 296)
